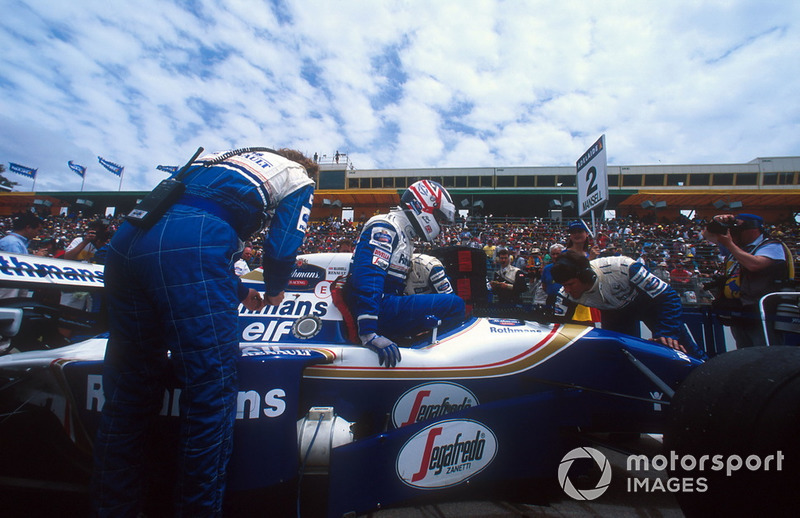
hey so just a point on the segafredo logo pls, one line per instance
(425, 402)
(446, 454)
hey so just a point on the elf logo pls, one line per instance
(446, 454)
(426, 402)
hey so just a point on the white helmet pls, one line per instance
(425, 203)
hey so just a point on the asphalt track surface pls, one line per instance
(618, 501)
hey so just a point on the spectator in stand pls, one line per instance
(521, 260)
(25, 227)
(579, 239)
(242, 266)
(680, 277)
(46, 247)
(509, 281)
(489, 248)
(83, 248)
(345, 246)
(662, 272)
(535, 264)
(548, 285)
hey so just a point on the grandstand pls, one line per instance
(767, 186)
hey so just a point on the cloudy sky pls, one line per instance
(393, 83)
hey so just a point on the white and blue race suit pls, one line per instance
(426, 274)
(627, 293)
(377, 279)
(172, 290)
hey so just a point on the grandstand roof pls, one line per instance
(358, 197)
(698, 200)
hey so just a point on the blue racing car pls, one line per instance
(489, 409)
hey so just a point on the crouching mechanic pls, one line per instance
(380, 265)
(626, 293)
(427, 275)
(172, 292)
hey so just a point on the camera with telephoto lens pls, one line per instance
(717, 282)
(722, 227)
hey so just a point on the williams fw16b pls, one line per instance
(488, 409)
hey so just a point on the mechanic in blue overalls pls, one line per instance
(380, 266)
(626, 293)
(172, 289)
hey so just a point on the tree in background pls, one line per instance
(5, 183)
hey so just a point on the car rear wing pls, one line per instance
(31, 271)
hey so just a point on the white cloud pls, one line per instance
(404, 83)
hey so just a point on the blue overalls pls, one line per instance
(377, 282)
(172, 291)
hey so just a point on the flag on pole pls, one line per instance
(168, 168)
(111, 166)
(21, 169)
(78, 169)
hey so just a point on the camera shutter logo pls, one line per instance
(566, 464)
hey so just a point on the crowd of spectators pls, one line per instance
(674, 251)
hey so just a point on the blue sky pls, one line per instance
(395, 84)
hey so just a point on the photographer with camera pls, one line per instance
(755, 264)
(84, 247)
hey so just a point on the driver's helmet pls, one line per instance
(426, 204)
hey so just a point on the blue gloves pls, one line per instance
(387, 351)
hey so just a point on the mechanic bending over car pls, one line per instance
(171, 288)
(626, 293)
(426, 274)
(380, 265)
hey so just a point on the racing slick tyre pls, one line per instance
(733, 435)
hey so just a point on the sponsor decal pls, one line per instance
(275, 351)
(506, 322)
(380, 263)
(269, 331)
(297, 307)
(250, 404)
(382, 254)
(658, 396)
(43, 270)
(508, 325)
(509, 330)
(444, 287)
(305, 277)
(446, 454)
(429, 401)
(302, 220)
(306, 327)
(335, 271)
(323, 289)
(382, 237)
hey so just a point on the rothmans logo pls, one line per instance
(305, 277)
